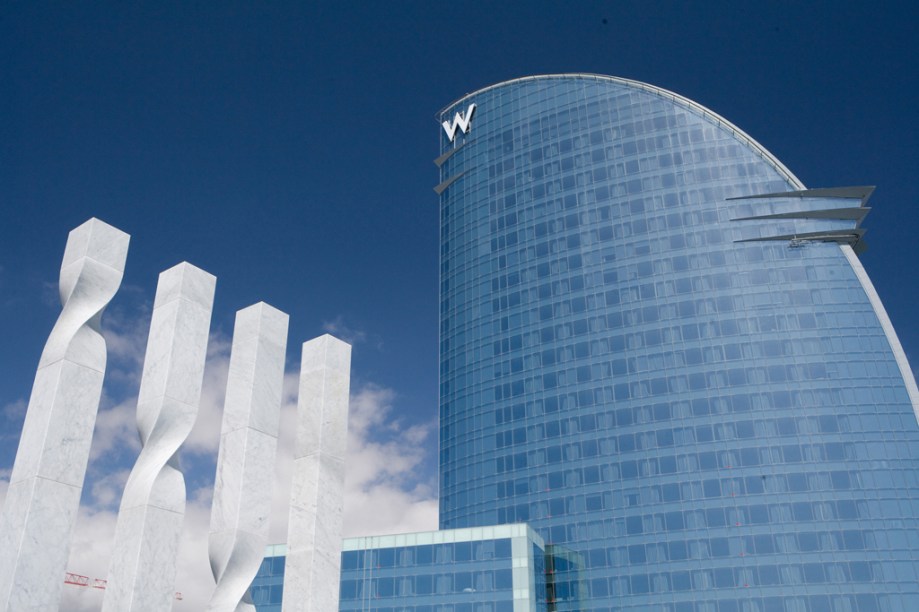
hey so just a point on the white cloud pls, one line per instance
(116, 432)
(90, 550)
(338, 328)
(50, 294)
(15, 410)
(4, 483)
(205, 435)
(385, 490)
(106, 491)
(126, 340)
(115, 437)
(350, 334)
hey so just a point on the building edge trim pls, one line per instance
(902, 362)
(663, 93)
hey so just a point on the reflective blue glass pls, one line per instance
(669, 372)
(496, 569)
(268, 584)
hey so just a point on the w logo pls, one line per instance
(459, 121)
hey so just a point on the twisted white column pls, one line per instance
(311, 573)
(47, 478)
(142, 574)
(245, 461)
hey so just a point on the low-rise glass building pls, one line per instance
(268, 586)
(482, 569)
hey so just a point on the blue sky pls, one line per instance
(287, 149)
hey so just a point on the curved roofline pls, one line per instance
(663, 93)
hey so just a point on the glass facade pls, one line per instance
(657, 351)
(491, 569)
(268, 586)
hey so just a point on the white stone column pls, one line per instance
(311, 574)
(142, 574)
(246, 459)
(47, 478)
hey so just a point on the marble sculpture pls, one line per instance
(314, 530)
(245, 461)
(47, 478)
(143, 565)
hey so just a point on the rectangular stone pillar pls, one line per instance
(311, 575)
(47, 479)
(143, 569)
(246, 459)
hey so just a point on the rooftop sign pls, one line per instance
(463, 122)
